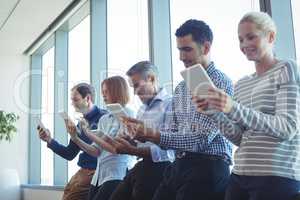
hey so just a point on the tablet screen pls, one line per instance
(197, 80)
(117, 110)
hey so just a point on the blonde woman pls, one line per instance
(262, 119)
(111, 168)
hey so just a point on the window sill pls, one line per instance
(43, 187)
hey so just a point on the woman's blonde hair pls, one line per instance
(262, 20)
(118, 89)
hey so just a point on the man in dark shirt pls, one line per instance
(82, 97)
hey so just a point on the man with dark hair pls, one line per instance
(142, 180)
(82, 97)
(203, 155)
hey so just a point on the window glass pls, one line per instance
(78, 70)
(223, 18)
(128, 38)
(47, 115)
(296, 23)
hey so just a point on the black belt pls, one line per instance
(193, 155)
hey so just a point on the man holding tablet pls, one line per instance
(82, 97)
(142, 180)
(203, 155)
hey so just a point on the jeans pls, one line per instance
(194, 177)
(141, 181)
(261, 188)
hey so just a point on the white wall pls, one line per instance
(14, 155)
(27, 21)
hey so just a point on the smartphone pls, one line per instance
(117, 110)
(40, 124)
(197, 80)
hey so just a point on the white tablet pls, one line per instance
(65, 116)
(197, 80)
(117, 110)
(97, 132)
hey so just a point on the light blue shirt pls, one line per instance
(111, 166)
(153, 116)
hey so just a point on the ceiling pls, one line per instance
(6, 9)
(22, 21)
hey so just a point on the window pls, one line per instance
(128, 39)
(78, 70)
(47, 115)
(223, 18)
(128, 43)
(296, 22)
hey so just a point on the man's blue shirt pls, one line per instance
(70, 151)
